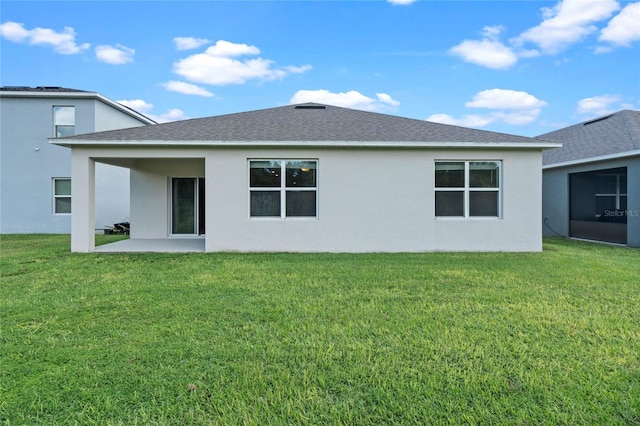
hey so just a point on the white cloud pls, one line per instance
(174, 114)
(115, 55)
(218, 65)
(567, 23)
(492, 32)
(508, 106)
(227, 49)
(401, 2)
(297, 70)
(137, 104)
(623, 28)
(487, 53)
(599, 105)
(188, 43)
(469, 120)
(351, 99)
(387, 99)
(63, 42)
(145, 108)
(186, 88)
(504, 99)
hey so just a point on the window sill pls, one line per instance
(447, 218)
(283, 219)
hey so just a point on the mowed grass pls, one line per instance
(352, 339)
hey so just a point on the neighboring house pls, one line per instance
(591, 186)
(317, 178)
(35, 186)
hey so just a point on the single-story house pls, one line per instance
(591, 185)
(316, 178)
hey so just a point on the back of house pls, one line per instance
(316, 178)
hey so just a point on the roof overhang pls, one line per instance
(78, 95)
(86, 143)
(616, 156)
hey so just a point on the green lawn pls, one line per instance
(353, 339)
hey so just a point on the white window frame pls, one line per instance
(56, 124)
(58, 196)
(283, 188)
(467, 190)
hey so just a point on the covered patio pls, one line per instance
(165, 217)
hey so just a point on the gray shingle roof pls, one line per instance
(304, 122)
(608, 135)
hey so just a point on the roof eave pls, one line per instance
(615, 156)
(70, 143)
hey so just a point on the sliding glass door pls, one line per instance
(187, 206)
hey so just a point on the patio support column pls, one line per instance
(82, 202)
(209, 198)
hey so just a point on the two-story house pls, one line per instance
(35, 177)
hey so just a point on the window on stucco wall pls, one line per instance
(283, 189)
(468, 188)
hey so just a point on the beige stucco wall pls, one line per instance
(369, 200)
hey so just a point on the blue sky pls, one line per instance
(522, 67)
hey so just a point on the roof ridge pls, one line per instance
(635, 138)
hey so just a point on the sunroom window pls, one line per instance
(467, 188)
(283, 188)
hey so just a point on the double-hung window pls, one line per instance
(64, 121)
(283, 188)
(61, 195)
(467, 188)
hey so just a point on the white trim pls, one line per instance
(298, 144)
(593, 159)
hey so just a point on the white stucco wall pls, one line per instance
(29, 162)
(369, 200)
(150, 193)
(373, 200)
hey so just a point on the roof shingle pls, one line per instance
(608, 135)
(304, 122)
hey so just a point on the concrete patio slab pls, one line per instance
(163, 245)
